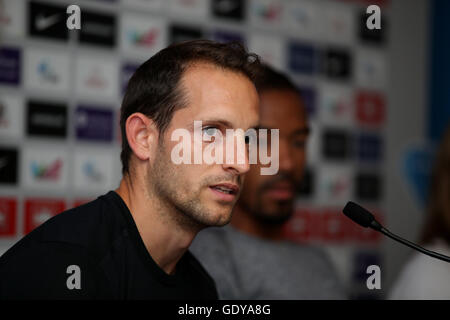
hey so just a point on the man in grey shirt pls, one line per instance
(249, 259)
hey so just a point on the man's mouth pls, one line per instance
(227, 188)
(225, 191)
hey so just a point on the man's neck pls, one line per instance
(165, 240)
(245, 222)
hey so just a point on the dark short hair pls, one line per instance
(272, 79)
(154, 89)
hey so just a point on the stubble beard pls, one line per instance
(180, 203)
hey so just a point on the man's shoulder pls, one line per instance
(72, 241)
(79, 227)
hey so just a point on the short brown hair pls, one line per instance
(272, 79)
(154, 88)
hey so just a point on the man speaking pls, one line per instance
(132, 243)
(250, 259)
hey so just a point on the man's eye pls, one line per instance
(211, 131)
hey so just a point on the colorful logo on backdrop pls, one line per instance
(328, 225)
(47, 21)
(142, 37)
(94, 123)
(266, 12)
(94, 170)
(10, 66)
(98, 29)
(335, 184)
(338, 24)
(95, 80)
(8, 165)
(97, 77)
(46, 119)
(38, 211)
(337, 105)
(46, 171)
(8, 217)
(45, 168)
(301, 18)
(370, 108)
(47, 70)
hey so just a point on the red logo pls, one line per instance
(8, 217)
(37, 211)
(370, 108)
(328, 226)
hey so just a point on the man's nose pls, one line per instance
(239, 161)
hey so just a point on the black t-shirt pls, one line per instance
(95, 252)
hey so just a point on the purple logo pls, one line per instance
(10, 66)
(302, 58)
(127, 71)
(94, 123)
(227, 36)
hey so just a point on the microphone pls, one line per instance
(366, 219)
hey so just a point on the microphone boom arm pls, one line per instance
(433, 254)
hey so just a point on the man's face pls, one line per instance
(223, 100)
(270, 198)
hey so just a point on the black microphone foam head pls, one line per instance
(358, 214)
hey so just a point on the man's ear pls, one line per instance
(142, 135)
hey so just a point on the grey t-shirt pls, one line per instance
(246, 267)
